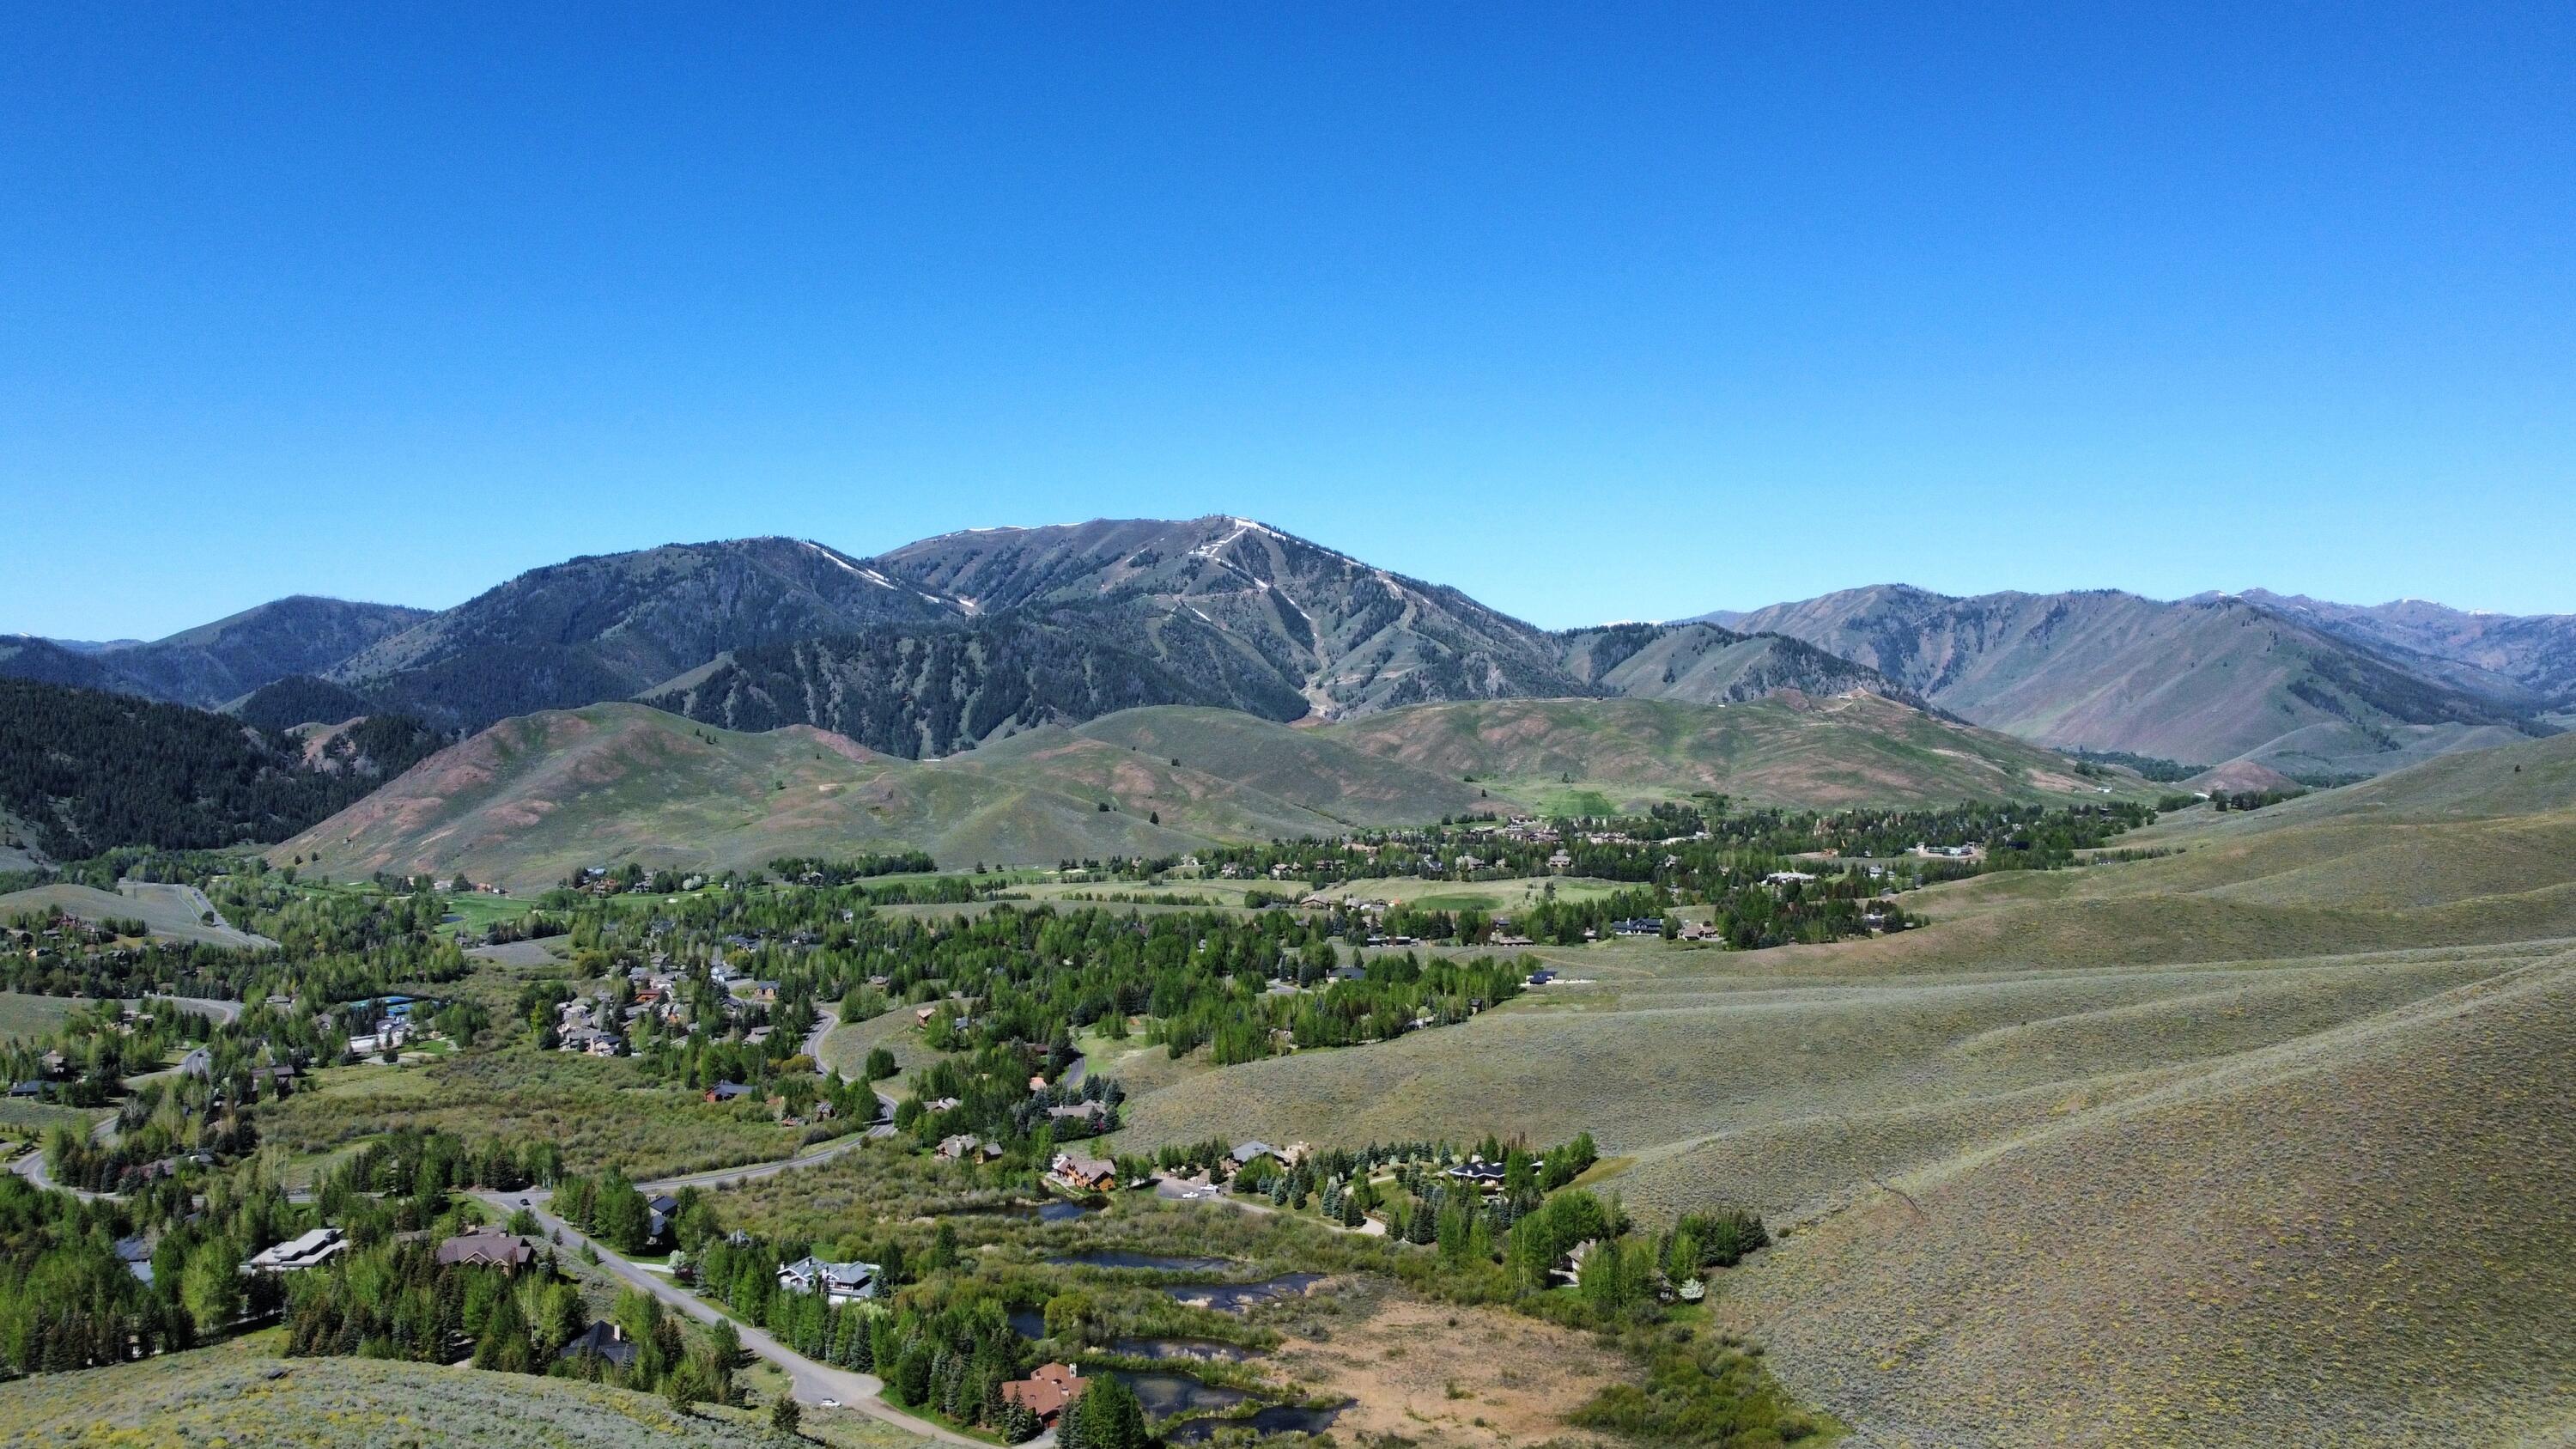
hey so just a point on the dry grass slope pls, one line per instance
(2271, 1141)
(230, 1395)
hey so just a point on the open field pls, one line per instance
(1440, 1375)
(232, 1394)
(604, 1112)
(169, 911)
(2269, 1141)
(22, 1015)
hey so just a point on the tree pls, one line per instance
(785, 1415)
(210, 1288)
(1107, 1416)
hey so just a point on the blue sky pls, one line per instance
(1594, 311)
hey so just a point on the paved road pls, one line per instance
(753, 1172)
(225, 1013)
(32, 1166)
(814, 1382)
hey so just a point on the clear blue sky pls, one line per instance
(1594, 311)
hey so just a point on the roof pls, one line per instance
(604, 1340)
(1246, 1151)
(1047, 1389)
(317, 1246)
(488, 1247)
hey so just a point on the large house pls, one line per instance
(839, 1283)
(1047, 1391)
(1084, 1174)
(487, 1248)
(310, 1250)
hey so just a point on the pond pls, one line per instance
(1120, 1258)
(1276, 1419)
(1029, 1322)
(1236, 1297)
(1053, 1210)
(1204, 1349)
(1167, 1394)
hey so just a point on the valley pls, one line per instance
(1963, 1003)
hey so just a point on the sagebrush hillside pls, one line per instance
(526, 801)
(1787, 749)
(2264, 1141)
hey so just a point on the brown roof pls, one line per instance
(487, 1247)
(1046, 1391)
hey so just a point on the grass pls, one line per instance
(235, 1394)
(603, 1111)
(2268, 1141)
(1786, 751)
(22, 1015)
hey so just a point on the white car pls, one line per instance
(829, 1404)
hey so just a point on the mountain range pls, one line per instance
(963, 640)
(2206, 680)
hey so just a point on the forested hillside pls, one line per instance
(86, 770)
(213, 663)
(921, 692)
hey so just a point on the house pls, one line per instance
(1787, 877)
(839, 1283)
(316, 1247)
(602, 1340)
(1245, 1154)
(1046, 1391)
(1084, 1174)
(661, 1215)
(1478, 1173)
(728, 1092)
(960, 1146)
(487, 1248)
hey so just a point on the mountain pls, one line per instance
(1703, 663)
(606, 627)
(84, 770)
(218, 662)
(929, 691)
(533, 798)
(2201, 681)
(2533, 653)
(1346, 636)
(1599, 755)
(936, 646)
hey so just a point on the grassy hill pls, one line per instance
(1789, 749)
(1313, 769)
(2267, 1141)
(233, 1395)
(532, 799)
